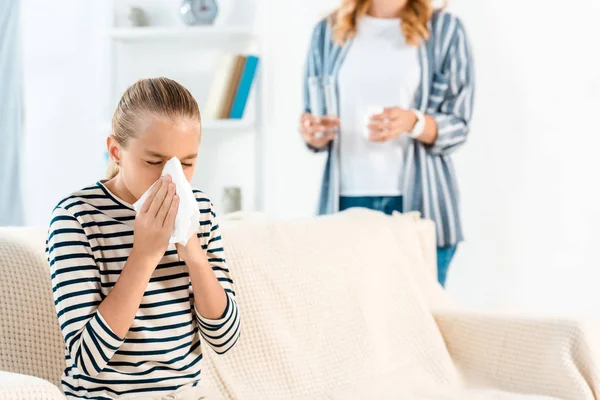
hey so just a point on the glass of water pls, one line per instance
(323, 100)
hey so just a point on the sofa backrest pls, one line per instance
(30, 339)
(329, 305)
(330, 310)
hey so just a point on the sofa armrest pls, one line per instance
(533, 356)
(25, 387)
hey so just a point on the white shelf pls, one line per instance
(177, 33)
(211, 126)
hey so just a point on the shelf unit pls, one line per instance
(214, 38)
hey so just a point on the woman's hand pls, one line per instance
(192, 252)
(317, 132)
(390, 124)
(155, 221)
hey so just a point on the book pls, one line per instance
(232, 87)
(243, 88)
(215, 103)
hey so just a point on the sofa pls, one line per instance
(337, 307)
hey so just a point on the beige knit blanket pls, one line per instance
(337, 307)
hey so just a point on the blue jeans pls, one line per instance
(389, 205)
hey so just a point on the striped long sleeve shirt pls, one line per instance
(89, 240)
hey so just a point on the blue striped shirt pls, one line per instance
(89, 240)
(445, 92)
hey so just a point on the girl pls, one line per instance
(416, 64)
(132, 308)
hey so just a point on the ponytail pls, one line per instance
(112, 170)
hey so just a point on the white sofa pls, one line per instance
(338, 307)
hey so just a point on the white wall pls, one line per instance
(527, 173)
(65, 80)
(292, 173)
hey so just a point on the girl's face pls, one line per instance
(142, 162)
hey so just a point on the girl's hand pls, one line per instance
(155, 221)
(192, 252)
(317, 132)
(390, 124)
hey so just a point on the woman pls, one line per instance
(403, 78)
(133, 308)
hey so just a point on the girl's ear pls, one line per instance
(114, 149)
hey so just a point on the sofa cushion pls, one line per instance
(24, 387)
(328, 305)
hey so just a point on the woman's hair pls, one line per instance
(414, 16)
(160, 97)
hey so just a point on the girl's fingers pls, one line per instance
(159, 197)
(172, 213)
(166, 205)
(153, 191)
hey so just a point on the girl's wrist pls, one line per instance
(198, 261)
(199, 269)
(143, 259)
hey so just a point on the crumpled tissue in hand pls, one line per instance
(188, 216)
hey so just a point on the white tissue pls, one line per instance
(188, 215)
(371, 112)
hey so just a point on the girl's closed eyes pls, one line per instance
(154, 163)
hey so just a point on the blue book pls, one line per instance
(243, 89)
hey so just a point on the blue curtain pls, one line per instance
(11, 116)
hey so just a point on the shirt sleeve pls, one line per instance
(220, 334)
(76, 286)
(454, 113)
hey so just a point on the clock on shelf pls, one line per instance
(199, 12)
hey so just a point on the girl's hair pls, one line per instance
(414, 16)
(161, 97)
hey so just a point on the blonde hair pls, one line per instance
(415, 16)
(160, 97)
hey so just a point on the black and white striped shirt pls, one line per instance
(89, 241)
